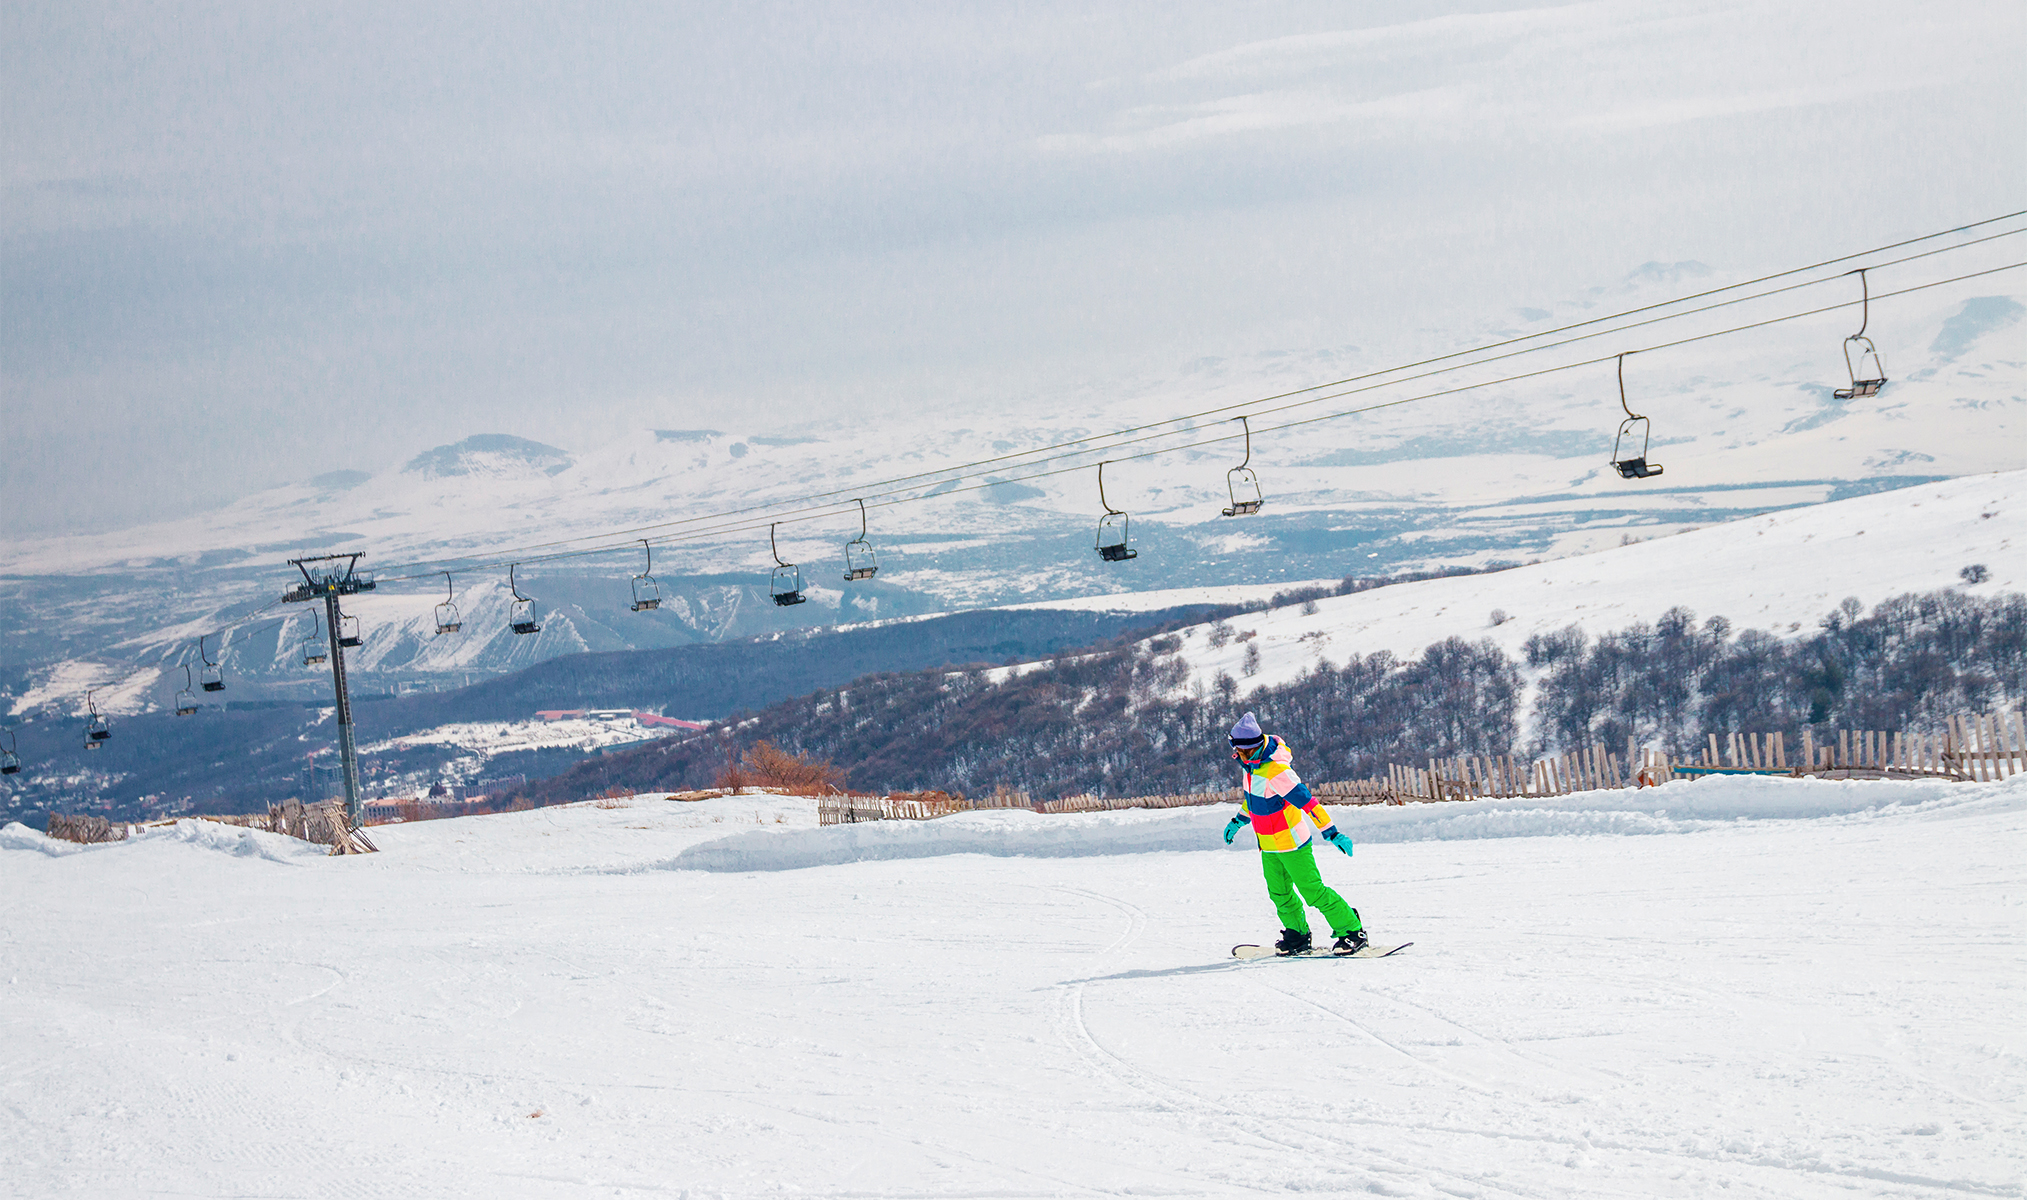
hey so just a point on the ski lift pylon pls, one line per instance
(785, 585)
(10, 756)
(314, 650)
(647, 594)
(861, 561)
(1242, 483)
(214, 675)
(1633, 466)
(186, 700)
(1114, 528)
(521, 616)
(96, 731)
(447, 618)
(1876, 377)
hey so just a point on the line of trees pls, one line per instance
(1913, 661)
(1108, 721)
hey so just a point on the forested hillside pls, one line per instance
(1107, 721)
(243, 760)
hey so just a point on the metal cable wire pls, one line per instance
(959, 471)
(725, 524)
(893, 498)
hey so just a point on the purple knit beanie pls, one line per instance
(1247, 732)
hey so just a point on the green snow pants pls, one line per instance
(1295, 870)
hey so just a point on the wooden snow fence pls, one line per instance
(923, 806)
(1090, 803)
(844, 809)
(1989, 748)
(1350, 791)
(88, 830)
(1970, 748)
(322, 822)
(1477, 777)
(1982, 748)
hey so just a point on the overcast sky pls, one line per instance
(249, 242)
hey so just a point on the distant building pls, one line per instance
(646, 720)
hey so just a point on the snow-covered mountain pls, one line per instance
(1743, 424)
(1781, 572)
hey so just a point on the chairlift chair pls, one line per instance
(1114, 528)
(1635, 466)
(214, 675)
(861, 562)
(10, 756)
(314, 650)
(647, 594)
(348, 632)
(1242, 483)
(447, 618)
(96, 731)
(785, 585)
(186, 700)
(521, 616)
(1876, 377)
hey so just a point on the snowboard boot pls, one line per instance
(1292, 943)
(1350, 943)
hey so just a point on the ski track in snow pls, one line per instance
(1804, 989)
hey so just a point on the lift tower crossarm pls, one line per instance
(328, 583)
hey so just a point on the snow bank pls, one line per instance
(16, 836)
(232, 839)
(1007, 833)
(1683, 807)
(202, 835)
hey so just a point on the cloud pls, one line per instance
(1159, 126)
(242, 245)
(1586, 69)
(1711, 107)
(1301, 53)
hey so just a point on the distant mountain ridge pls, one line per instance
(498, 455)
(1506, 473)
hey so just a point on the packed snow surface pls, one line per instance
(1792, 989)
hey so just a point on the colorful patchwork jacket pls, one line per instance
(1277, 800)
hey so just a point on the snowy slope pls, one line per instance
(1817, 1000)
(499, 737)
(1780, 572)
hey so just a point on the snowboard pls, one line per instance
(1370, 951)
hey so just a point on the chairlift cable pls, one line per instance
(1467, 387)
(891, 499)
(796, 515)
(1214, 440)
(1634, 325)
(831, 509)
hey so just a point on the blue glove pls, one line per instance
(1337, 839)
(1233, 826)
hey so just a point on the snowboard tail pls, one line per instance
(1370, 951)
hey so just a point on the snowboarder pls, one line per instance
(1277, 801)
